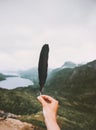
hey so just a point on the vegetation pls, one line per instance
(75, 88)
(18, 101)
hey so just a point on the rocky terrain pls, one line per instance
(14, 124)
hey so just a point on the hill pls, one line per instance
(19, 100)
(2, 77)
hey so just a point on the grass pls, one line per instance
(35, 119)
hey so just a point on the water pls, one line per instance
(14, 82)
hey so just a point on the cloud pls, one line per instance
(68, 26)
(18, 60)
(7, 62)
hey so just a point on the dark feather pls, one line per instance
(43, 66)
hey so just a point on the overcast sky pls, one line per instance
(68, 26)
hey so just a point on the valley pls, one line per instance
(74, 88)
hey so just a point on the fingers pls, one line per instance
(49, 99)
(46, 99)
(41, 100)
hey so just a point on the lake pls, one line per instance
(14, 82)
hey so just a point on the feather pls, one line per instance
(43, 66)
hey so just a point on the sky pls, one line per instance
(68, 26)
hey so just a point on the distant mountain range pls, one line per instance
(32, 73)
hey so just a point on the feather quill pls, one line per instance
(43, 66)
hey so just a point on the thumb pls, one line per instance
(41, 100)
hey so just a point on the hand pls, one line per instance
(50, 107)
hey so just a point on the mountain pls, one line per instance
(76, 91)
(2, 77)
(74, 88)
(78, 84)
(31, 74)
(77, 80)
(69, 64)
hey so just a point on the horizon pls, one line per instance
(69, 27)
(15, 72)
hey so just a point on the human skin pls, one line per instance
(50, 108)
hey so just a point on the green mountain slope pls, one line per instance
(19, 101)
(76, 91)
